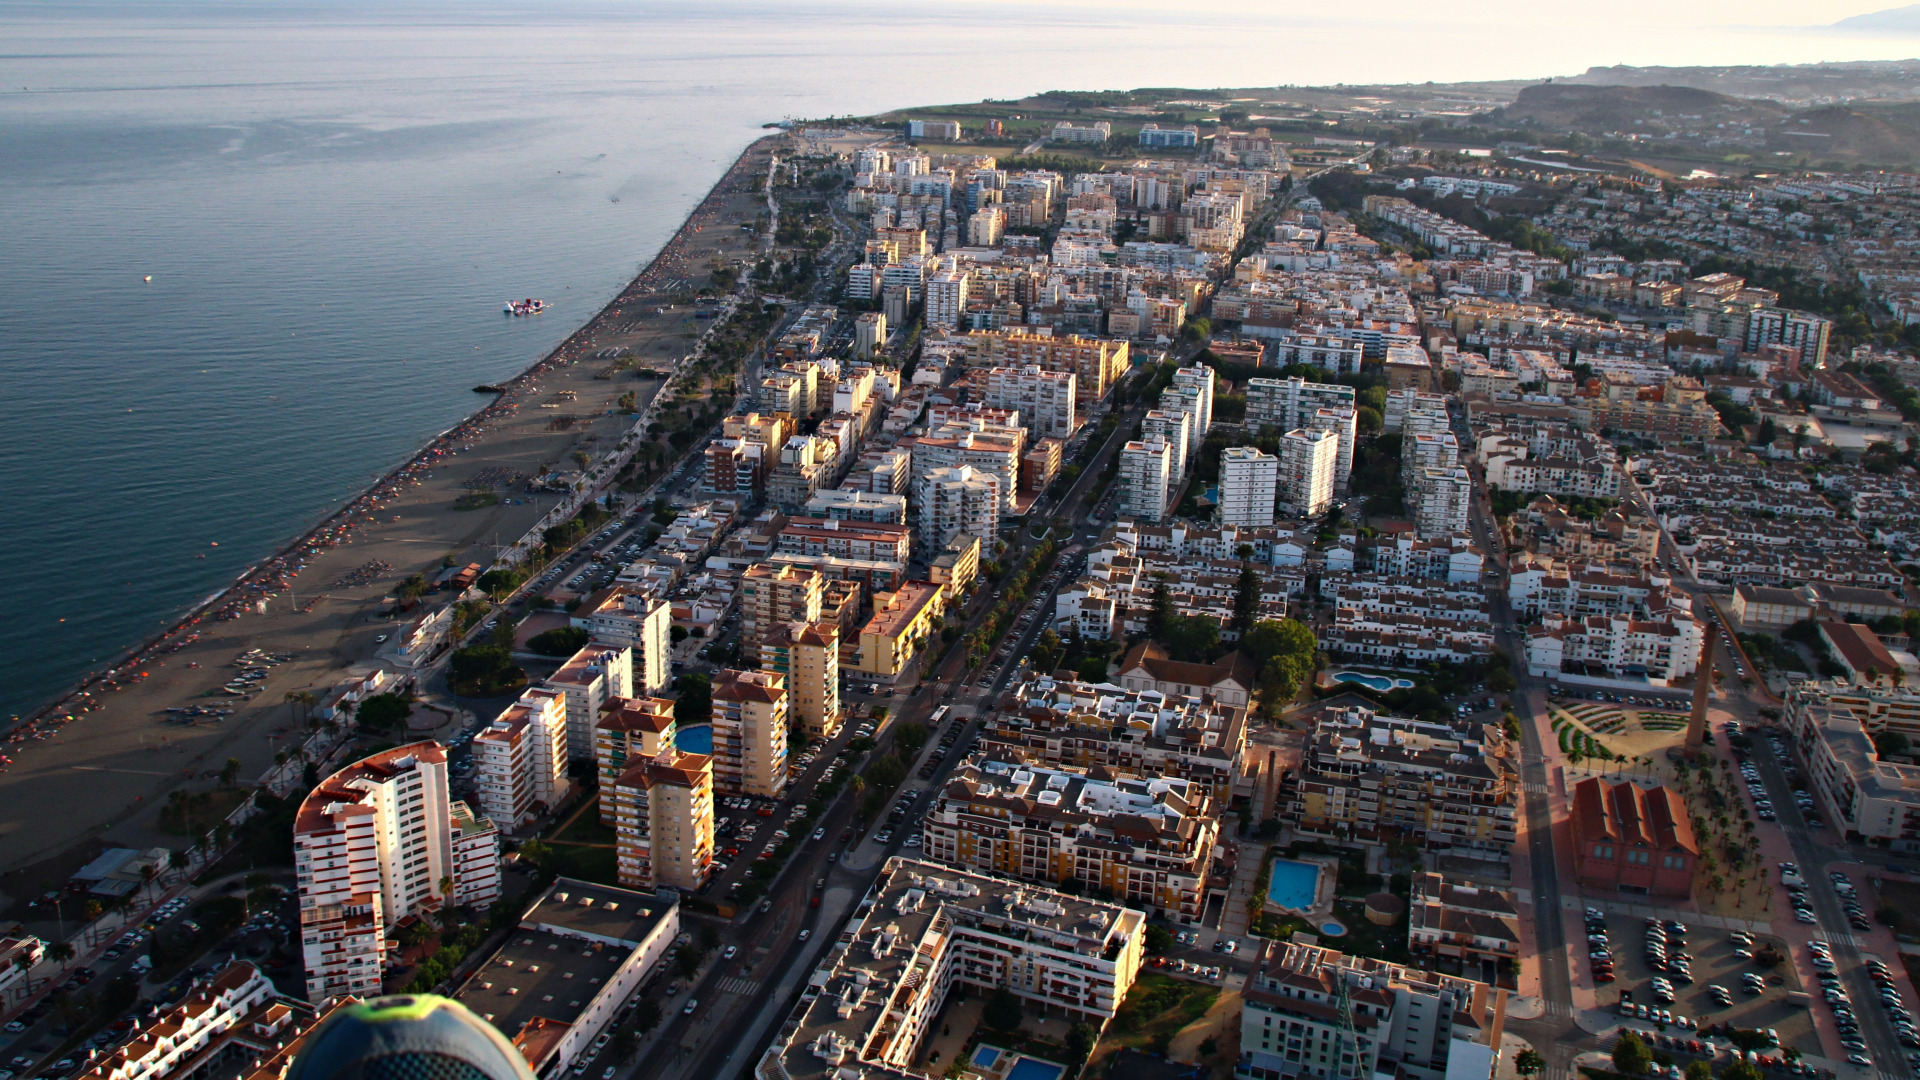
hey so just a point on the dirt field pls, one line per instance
(103, 776)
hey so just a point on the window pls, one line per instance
(1603, 851)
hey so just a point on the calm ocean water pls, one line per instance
(332, 199)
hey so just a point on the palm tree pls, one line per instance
(60, 951)
(25, 964)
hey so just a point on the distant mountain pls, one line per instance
(1900, 20)
(1800, 85)
(1613, 108)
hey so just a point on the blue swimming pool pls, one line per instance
(695, 740)
(1035, 1069)
(985, 1057)
(1293, 884)
(1372, 682)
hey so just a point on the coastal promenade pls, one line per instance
(100, 762)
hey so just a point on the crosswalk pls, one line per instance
(743, 987)
(1559, 1008)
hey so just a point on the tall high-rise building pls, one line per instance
(958, 500)
(946, 298)
(1343, 421)
(1418, 453)
(1307, 459)
(1146, 476)
(1441, 501)
(595, 675)
(1282, 404)
(1044, 399)
(750, 715)
(1195, 383)
(672, 794)
(630, 730)
(372, 844)
(520, 760)
(1099, 364)
(1248, 482)
(809, 656)
(642, 622)
(1176, 429)
(774, 594)
(869, 334)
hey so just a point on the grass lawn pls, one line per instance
(1156, 1007)
(595, 864)
(587, 828)
(1365, 938)
(585, 847)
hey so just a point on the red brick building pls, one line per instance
(1633, 839)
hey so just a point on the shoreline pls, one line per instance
(277, 571)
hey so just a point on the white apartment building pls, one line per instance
(1307, 460)
(1418, 453)
(1411, 412)
(869, 334)
(520, 760)
(1418, 1025)
(235, 1006)
(1193, 386)
(642, 622)
(1345, 424)
(1068, 132)
(592, 677)
(843, 504)
(372, 844)
(985, 447)
(1441, 502)
(1146, 476)
(1662, 649)
(957, 500)
(1044, 399)
(946, 299)
(1283, 404)
(1176, 430)
(1249, 480)
(925, 931)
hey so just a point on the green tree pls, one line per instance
(686, 959)
(695, 703)
(1246, 601)
(1528, 1062)
(1741, 1070)
(885, 774)
(1630, 1055)
(1080, 1040)
(1699, 1070)
(484, 671)
(384, 712)
(559, 641)
(1159, 939)
(1161, 613)
(499, 583)
(646, 1015)
(230, 772)
(909, 738)
(1003, 1011)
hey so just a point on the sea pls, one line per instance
(253, 254)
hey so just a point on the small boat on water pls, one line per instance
(483, 388)
(524, 307)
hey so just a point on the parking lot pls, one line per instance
(1758, 984)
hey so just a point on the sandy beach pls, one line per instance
(97, 764)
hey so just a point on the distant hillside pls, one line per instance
(1900, 20)
(1789, 84)
(1879, 133)
(1595, 109)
